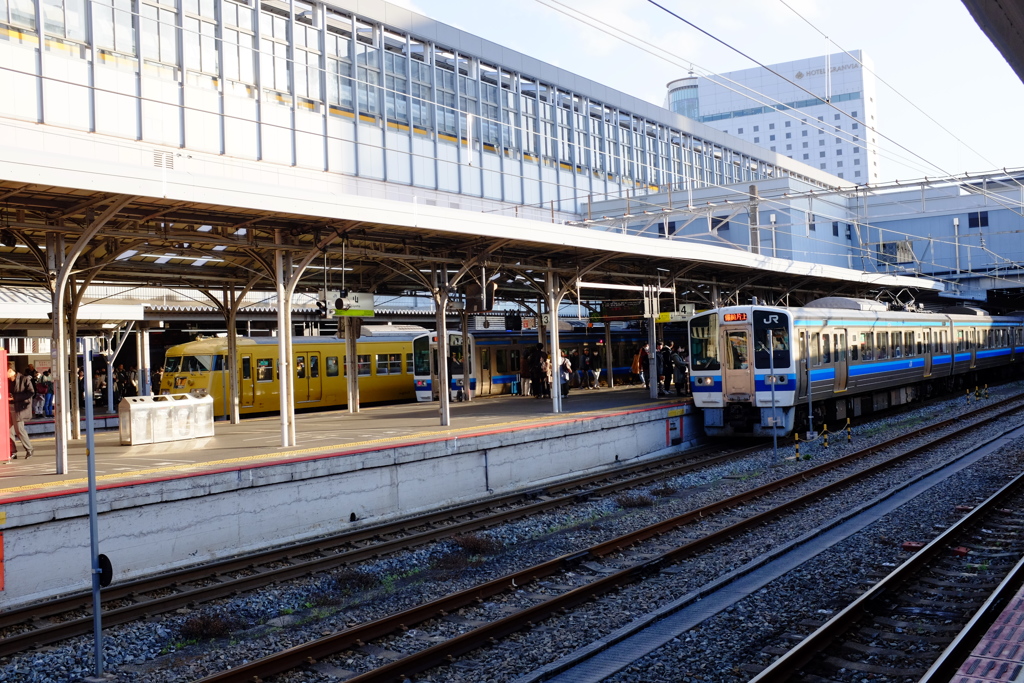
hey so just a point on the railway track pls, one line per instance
(55, 620)
(946, 594)
(558, 585)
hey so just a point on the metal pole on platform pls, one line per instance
(232, 359)
(609, 354)
(94, 538)
(283, 366)
(352, 364)
(142, 352)
(443, 379)
(467, 358)
(650, 310)
(554, 356)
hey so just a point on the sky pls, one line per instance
(931, 52)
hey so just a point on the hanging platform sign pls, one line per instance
(356, 304)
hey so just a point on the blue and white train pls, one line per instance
(835, 358)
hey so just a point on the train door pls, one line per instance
(301, 380)
(737, 370)
(484, 361)
(841, 362)
(246, 382)
(802, 366)
(927, 353)
(315, 387)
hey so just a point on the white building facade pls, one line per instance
(361, 89)
(820, 111)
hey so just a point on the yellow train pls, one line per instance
(385, 367)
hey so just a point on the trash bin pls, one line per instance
(169, 417)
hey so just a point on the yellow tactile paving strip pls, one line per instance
(609, 402)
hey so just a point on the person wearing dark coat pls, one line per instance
(20, 392)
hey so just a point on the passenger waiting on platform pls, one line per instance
(659, 364)
(525, 376)
(565, 373)
(596, 363)
(574, 361)
(538, 372)
(666, 369)
(679, 370)
(48, 398)
(19, 396)
(545, 375)
(39, 399)
(584, 370)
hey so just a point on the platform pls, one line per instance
(255, 441)
(168, 505)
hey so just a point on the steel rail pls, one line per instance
(474, 517)
(783, 668)
(442, 653)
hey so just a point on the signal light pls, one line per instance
(321, 309)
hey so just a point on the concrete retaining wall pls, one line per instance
(145, 528)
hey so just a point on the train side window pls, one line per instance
(959, 340)
(387, 364)
(515, 360)
(826, 354)
(853, 348)
(314, 365)
(409, 366)
(867, 345)
(219, 363)
(500, 361)
(246, 368)
(897, 345)
(840, 347)
(332, 366)
(264, 369)
(815, 349)
(882, 344)
(300, 367)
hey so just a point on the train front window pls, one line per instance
(738, 352)
(172, 363)
(771, 330)
(704, 342)
(421, 355)
(196, 363)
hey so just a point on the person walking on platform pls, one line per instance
(596, 363)
(641, 364)
(19, 394)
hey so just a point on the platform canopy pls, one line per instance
(25, 308)
(388, 247)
